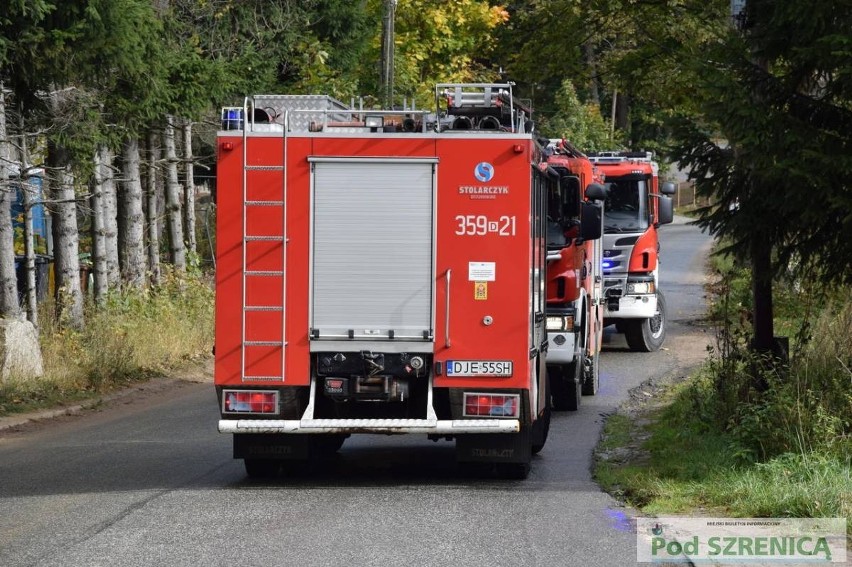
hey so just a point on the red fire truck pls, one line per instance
(635, 207)
(382, 272)
(574, 279)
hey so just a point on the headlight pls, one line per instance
(640, 287)
(560, 323)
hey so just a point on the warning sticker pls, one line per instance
(481, 271)
(480, 291)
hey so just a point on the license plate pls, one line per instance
(479, 368)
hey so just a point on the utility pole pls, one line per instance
(387, 71)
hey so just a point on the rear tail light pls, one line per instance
(250, 401)
(491, 405)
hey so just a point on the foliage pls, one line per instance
(580, 124)
(773, 408)
(332, 63)
(239, 47)
(541, 46)
(782, 172)
(436, 42)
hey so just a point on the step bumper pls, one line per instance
(381, 426)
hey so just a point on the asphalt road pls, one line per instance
(147, 480)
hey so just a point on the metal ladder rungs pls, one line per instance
(264, 168)
(278, 201)
(264, 239)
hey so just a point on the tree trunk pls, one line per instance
(591, 64)
(31, 295)
(132, 252)
(622, 113)
(761, 274)
(99, 262)
(152, 210)
(173, 214)
(189, 189)
(30, 198)
(110, 206)
(66, 250)
(9, 306)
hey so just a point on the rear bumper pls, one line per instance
(382, 426)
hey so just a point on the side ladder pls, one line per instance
(274, 342)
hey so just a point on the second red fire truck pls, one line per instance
(574, 278)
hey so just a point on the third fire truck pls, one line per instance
(385, 272)
(635, 207)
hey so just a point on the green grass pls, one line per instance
(687, 467)
(746, 437)
(133, 336)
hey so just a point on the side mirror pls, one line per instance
(595, 192)
(592, 221)
(668, 188)
(666, 210)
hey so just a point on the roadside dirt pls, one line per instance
(134, 395)
(690, 346)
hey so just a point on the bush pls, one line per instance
(771, 406)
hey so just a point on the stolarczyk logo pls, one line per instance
(484, 172)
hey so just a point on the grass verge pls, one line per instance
(746, 437)
(133, 336)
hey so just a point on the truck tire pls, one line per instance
(512, 471)
(262, 468)
(647, 335)
(541, 427)
(592, 375)
(328, 443)
(565, 386)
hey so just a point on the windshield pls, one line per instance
(626, 206)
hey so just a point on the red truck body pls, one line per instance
(574, 279)
(375, 275)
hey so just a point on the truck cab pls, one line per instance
(635, 207)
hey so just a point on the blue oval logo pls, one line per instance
(484, 172)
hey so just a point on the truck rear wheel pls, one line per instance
(329, 443)
(541, 427)
(262, 468)
(512, 471)
(565, 386)
(647, 335)
(592, 375)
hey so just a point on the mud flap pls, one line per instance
(272, 447)
(494, 448)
